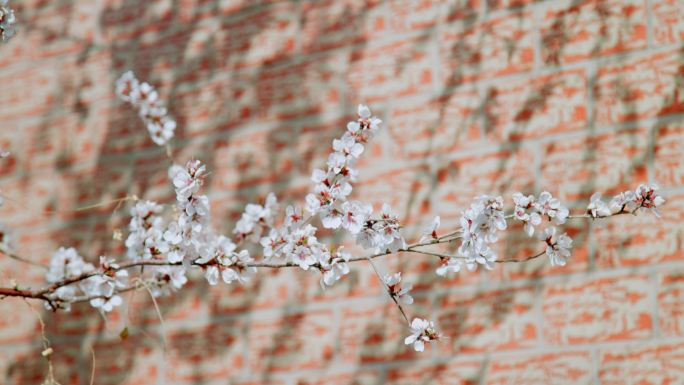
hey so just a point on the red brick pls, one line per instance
(497, 4)
(502, 172)
(600, 309)
(608, 163)
(375, 332)
(359, 377)
(435, 126)
(639, 88)
(516, 244)
(333, 24)
(296, 341)
(491, 320)
(382, 72)
(644, 364)
(666, 153)
(453, 372)
(641, 240)
(483, 49)
(544, 105)
(670, 304)
(572, 31)
(541, 369)
(411, 15)
(213, 351)
(667, 25)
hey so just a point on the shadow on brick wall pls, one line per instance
(218, 78)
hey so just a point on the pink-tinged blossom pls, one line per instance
(480, 225)
(430, 231)
(623, 202)
(557, 248)
(422, 331)
(167, 279)
(334, 266)
(8, 21)
(646, 196)
(293, 216)
(526, 212)
(256, 217)
(449, 265)
(145, 236)
(272, 243)
(552, 208)
(151, 109)
(354, 215)
(104, 286)
(396, 289)
(598, 208)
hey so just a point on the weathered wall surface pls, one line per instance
(478, 96)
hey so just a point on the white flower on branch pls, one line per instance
(8, 21)
(354, 215)
(333, 267)
(598, 208)
(430, 231)
(648, 198)
(449, 265)
(152, 111)
(557, 248)
(219, 258)
(256, 217)
(145, 238)
(167, 279)
(272, 243)
(480, 225)
(4, 154)
(552, 208)
(396, 289)
(422, 331)
(383, 233)
(65, 264)
(104, 286)
(525, 212)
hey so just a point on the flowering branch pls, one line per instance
(171, 245)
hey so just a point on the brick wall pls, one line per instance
(478, 96)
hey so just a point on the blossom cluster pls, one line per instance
(643, 197)
(480, 225)
(187, 240)
(8, 21)
(151, 109)
(531, 211)
(100, 287)
(333, 186)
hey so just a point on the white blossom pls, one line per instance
(8, 21)
(167, 279)
(552, 208)
(597, 208)
(646, 196)
(525, 211)
(557, 248)
(396, 289)
(430, 231)
(354, 215)
(623, 202)
(334, 266)
(422, 331)
(104, 286)
(479, 227)
(449, 265)
(151, 109)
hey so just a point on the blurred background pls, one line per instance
(477, 96)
